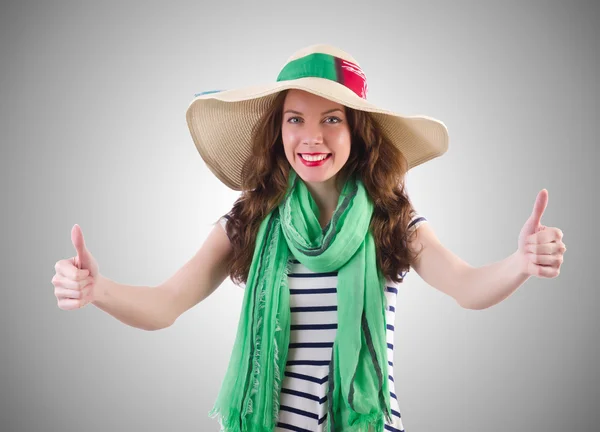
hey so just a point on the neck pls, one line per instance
(326, 195)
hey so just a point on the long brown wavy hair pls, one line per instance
(378, 163)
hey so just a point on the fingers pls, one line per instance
(63, 293)
(76, 298)
(547, 235)
(543, 271)
(60, 281)
(70, 304)
(547, 260)
(546, 248)
(68, 270)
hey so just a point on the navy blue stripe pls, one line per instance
(393, 429)
(391, 378)
(392, 290)
(396, 413)
(393, 395)
(390, 346)
(322, 419)
(292, 427)
(313, 326)
(313, 309)
(416, 220)
(390, 327)
(391, 363)
(306, 377)
(307, 363)
(305, 395)
(311, 345)
(312, 275)
(392, 309)
(314, 291)
(299, 412)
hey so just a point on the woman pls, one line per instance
(340, 143)
(322, 235)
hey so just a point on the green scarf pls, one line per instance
(358, 395)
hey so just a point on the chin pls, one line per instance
(314, 177)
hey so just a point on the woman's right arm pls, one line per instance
(155, 308)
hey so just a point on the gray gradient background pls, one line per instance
(92, 129)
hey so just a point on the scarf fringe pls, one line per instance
(230, 423)
(277, 373)
(257, 351)
(363, 422)
(273, 238)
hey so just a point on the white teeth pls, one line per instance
(312, 158)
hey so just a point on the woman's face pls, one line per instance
(312, 124)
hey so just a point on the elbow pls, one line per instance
(467, 306)
(463, 304)
(159, 326)
(471, 306)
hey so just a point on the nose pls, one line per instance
(312, 136)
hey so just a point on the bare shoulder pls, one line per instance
(202, 274)
(422, 237)
(437, 265)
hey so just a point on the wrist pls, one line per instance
(99, 291)
(521, 263)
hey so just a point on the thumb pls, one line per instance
(539, 207)
(83, 255)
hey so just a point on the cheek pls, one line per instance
(342, 145)
(288, 149)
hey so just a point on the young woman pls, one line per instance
(321, 236)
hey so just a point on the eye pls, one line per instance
(338, 120)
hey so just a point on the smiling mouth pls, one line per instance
(314, 155)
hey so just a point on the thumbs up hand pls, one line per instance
(540, 247)
(76, 277)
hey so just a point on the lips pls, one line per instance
(317, 162)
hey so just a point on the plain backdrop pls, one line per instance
(92, 128)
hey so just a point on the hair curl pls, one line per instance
(379, 164)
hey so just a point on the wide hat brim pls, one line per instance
(221, 124)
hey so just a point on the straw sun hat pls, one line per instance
(221, 121)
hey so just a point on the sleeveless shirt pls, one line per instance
(313, 309)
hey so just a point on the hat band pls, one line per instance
(319, 65)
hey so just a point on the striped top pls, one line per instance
(313, 307)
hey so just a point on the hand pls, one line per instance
(540, 247)
(75, 277)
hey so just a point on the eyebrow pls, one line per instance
(323, 113)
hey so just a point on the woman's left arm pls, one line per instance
(540, 253)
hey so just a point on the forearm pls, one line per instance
(488, 285)
(143, 307)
